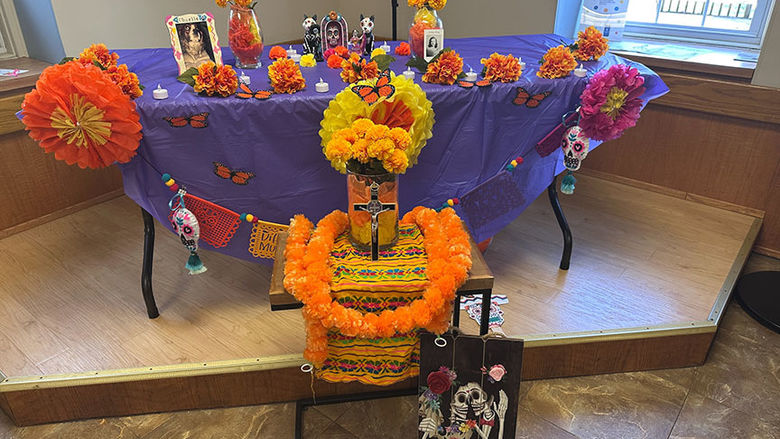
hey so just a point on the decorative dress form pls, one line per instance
(367, 25)
(312, 39)
(334, 30)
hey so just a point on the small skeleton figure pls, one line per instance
(470, 402)
(367, 24)
(312, 40)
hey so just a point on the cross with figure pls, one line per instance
(374, 207)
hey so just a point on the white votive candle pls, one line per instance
(385, 47)
(322, 86)
(471, 75)
(245, 79)
(408, 73)
(291, 52)
(295, 57)
(160, 93)
(580, 72)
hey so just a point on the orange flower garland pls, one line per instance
(445, 69)
(78, 113)
(501, 68)
(308, 275)
(286, 76)
(215, 80)
(356, 68)
(591, 45)
(557, 63)
(98, 53)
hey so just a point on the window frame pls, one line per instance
(750, 39)
(11, 32)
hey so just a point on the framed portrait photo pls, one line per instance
(433, 40)
(194, 40)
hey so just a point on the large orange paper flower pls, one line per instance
(286, 76)
(356, 68)
(557, 63)
(591, 45)
(215, 80)
(79, 114)
(98, 53)
(501, 68)
(445, 69)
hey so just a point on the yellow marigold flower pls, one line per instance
(347, 134)
(396, 162)
(377, 132)
(360, 150)
(381, 149)
(308, 60)
(361, 126)
(437, 4)
(338, 149)
(400, 137)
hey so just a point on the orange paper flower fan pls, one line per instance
(79, 114)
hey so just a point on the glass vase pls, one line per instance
(359, 195)
(426, 33)
(245, 37)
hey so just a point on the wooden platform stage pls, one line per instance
(649, 275)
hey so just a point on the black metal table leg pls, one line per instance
(487, 297)
(146, 273)
(456, 311)
(567, 241)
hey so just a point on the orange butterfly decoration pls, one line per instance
(244, 92)
(372, 94)
(237, 177)
(199, 120)
(531, 101)
(480, 83)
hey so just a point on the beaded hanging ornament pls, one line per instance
(186, 225)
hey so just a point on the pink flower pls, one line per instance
(611, 102)
(496, 373)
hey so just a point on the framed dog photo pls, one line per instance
(194, 40)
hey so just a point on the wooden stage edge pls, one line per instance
(123, 392)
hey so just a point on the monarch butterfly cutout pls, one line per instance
(531, 101)
(244, 92)
(480, 83)
(237, 177)
(372, 94)
(199, 120)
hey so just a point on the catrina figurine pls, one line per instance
(575, 147)
(185, 224)
(312, 38)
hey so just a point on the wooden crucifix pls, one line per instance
(374, 207)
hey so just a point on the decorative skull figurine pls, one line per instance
(575, 147)
(367, 24)
(312, 40)
(334, 30)
(186, 226)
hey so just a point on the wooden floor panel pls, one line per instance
(70, 297)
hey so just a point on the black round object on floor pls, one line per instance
(759, 295)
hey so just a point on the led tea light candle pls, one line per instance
(291, 52)
(580, 72)
(322, 86)
(160, 93)
(385, 47)
(244, 79)
(520, 61)
(408, 74)
(296, 58)
(471, 75)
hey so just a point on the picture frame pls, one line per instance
(194, 40)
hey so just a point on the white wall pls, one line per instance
(123, 24)
(768, 69)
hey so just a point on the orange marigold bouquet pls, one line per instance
(286, 76)
(501, 68)
(557, 63)
(369, 146)
(590, 45)
(356, 68)
(99, 55)
(445, 69)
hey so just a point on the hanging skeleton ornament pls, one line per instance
(185, 224)
(575, 147)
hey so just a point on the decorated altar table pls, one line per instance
(478, 131)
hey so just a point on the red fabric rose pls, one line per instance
(439, 382)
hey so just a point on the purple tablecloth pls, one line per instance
(477, 132)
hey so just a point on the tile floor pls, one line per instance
(735, 394)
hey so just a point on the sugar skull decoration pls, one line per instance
(575, 146)
(185, 224)
(312, 38)
(367, 25)
(334, 31)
